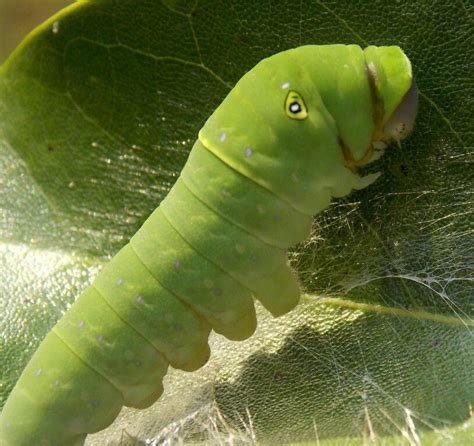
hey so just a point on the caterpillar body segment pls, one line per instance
(101, 339)
(243, 202)
(214, 295)
(170, 325)
(287, 139)
(58, 400)
(257, 266)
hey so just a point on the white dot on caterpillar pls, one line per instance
(80, 325)
(285, 85)
(139, 300)
(248, 152)
(56, 383)
(223, 136)
(119, 282)
(225, 193)
(177, 264)
(100, 339)
(55, 27)
(39, 372)
(95, 403)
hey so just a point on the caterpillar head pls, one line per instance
(301, 121)
(394, 92)
(401, 123)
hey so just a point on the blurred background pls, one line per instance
(19, 17)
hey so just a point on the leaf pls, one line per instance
(99, 108)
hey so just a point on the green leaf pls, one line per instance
(99, 108)
(461, 435)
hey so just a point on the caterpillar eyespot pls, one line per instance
(218, 241)
(295, 107)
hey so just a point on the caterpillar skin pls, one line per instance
(286, 140)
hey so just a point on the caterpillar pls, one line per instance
(288, 138)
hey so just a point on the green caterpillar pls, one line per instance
(286, 140)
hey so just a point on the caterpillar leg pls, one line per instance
(367, 180)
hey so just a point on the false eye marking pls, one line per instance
(295, 107)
